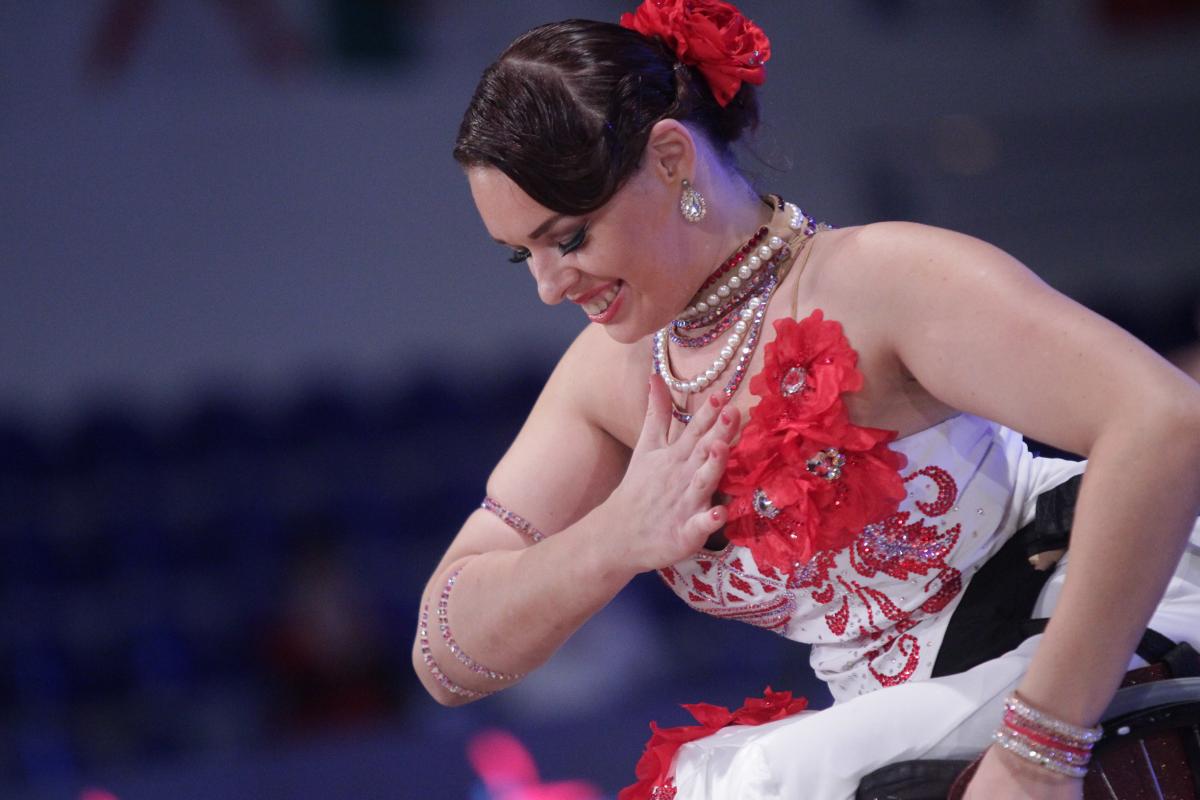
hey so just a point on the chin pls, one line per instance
(629, 323)
(627, 334)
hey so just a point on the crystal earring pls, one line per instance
(691, 203)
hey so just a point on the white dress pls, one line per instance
(875, 613)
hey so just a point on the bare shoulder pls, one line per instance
(903, 274)
(888, 256)
(982, 333)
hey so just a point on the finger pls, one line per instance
(658, 415)
(708, 475)
(703, 524)
(724, 430)
(726, 426)
(702, 420)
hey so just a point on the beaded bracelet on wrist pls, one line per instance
(1019, 709)
(1045, 757)
(515, 521)
(1051, 743)
(443, 619)
(1071, 753)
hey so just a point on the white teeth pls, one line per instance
(599, 305)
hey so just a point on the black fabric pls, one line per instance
(1053, 518)
(991, 617)
(911, 780)
(1180, 658)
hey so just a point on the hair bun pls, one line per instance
(567, 109)
(711, 35)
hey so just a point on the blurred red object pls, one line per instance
(96, 794)
(508, 771)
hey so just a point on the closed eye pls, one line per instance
(575, 242)
(519, 254)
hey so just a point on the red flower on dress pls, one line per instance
(817, 347)
(654, 767)
(711, 35)
(803, 478)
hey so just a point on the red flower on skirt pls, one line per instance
(803, 477)
(654, 767)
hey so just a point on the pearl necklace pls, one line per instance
(751, 262)
(750, 325)
(772, 254)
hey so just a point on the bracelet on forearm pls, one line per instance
(443, 619)
(1046, 757)
(1019, 709)
(515, 521)
(431, 663)
(1049, 742)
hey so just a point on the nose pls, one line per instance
(554, 280)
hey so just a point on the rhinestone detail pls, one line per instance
(827, 464)
(794, 381)
(431, 663)
(443, 618)
(763, 505)
(515, 521)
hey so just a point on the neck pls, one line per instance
(742, 214)
(723, 250)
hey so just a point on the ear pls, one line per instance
(671, 152)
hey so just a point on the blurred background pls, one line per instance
(257, 354)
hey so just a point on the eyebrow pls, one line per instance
(540, 229)
(545, 226)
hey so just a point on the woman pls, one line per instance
(825, 447)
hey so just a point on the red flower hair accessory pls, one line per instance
(654, 766)
(710, 35)
(803, 478)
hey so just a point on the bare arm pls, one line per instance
(983, 334)
(612, 514)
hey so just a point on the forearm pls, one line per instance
(1139, 498)
(511, 610)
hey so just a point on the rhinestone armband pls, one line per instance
(430, 662)
(514, 521)
(443, 619)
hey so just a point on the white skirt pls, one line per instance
(822, 755)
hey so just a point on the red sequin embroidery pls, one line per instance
(762, 598)
(898, 548)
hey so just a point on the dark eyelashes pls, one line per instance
(576, 241)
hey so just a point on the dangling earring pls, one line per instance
(691, 203)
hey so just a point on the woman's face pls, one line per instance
(623, 264)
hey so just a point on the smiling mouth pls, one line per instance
(600, 303)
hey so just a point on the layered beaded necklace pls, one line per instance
(733, 301)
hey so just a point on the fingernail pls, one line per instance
(716, 514)
(728, 420)
(715, 400)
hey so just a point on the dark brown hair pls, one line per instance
(566, 111)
